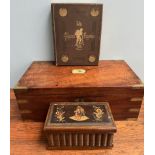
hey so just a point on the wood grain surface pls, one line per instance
(27, 137)
(109, 73)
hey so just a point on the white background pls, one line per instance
(31, 33)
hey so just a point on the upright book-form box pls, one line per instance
(77, 32)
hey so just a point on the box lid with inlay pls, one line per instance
(80, 115)
(78, 125)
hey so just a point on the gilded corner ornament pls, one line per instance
(92, 58)
(64, 58)
(94, 12)
(63, 12)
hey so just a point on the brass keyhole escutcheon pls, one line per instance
(79, 99)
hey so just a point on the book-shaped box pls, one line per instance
(77, 32)
(78, 125)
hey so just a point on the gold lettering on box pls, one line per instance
(78, 23)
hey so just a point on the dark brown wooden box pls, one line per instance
(77, 33)
(82, 125)
(112, 81)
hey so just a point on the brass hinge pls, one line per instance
(131, 119)
(20, 87)
(22, 101)
(138, 86)
(136, 99)
(134, 110)
(25, 111)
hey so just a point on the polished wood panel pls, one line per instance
(28, 138)
(43, 74)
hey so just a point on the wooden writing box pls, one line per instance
(79, 125)
(77, 33)
(112, 81)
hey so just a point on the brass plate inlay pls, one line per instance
(63, 12)
(64, 58)
(138, 86)
(134, 110)
(131, 119)
(22, 101)
(94, 12)
(92, 58)
(20, 87)
(78, 71)
(25, 111)
(136, 99)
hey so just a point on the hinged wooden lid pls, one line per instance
(109, 73)
(85, 116)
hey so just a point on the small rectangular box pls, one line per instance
(77, 33)
(88, 125)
